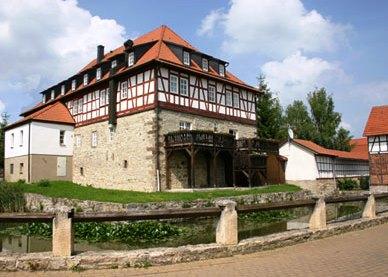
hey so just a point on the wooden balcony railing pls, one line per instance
(258, 145)
(199, 138)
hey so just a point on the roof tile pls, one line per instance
(377, 123)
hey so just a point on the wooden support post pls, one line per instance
(227, 228)
(215, 168)
(370, 208)
(63, 235)
(318, 217)
(192, 168)
(167, 153)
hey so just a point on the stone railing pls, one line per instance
(227, 210)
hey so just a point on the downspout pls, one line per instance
(29, 153)
(157, 131)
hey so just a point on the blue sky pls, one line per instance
(298, 45)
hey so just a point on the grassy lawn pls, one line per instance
(73, 191)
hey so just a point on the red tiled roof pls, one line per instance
(377, 123)
(357, 153)
(55, 112)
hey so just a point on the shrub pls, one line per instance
(11, 198)
(347, 184)
(44, 183)
(364, 183)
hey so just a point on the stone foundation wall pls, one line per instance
(321, 187)
(45, 167)
(169, 122)
(17, 174)
(122, 160)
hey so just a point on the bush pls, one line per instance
(364, 183)
(44, 183)
(347, 184)
(11, 198)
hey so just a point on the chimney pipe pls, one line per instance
(100, 53)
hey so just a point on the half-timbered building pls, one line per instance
(157, 113)
(376, 130)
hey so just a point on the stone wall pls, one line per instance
(169, 122)
(124, 159)
(17, 174)
(321, 187)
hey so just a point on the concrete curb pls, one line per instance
(163, 256)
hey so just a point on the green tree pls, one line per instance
(3, 123)
(269, 113)
(327, 121)
(297, 117)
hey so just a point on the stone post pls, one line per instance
(318, 217)
(370, 208)
(227, 228)
(63, 235)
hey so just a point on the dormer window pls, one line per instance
(63, 90)
(221, 70)
(98, 73)
(113, 64)
(73, 85)
(86, 79)
(205, 65)
(44, 98)
(52, 96)
(131, 59)
(186, 58)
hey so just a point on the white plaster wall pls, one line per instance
(301, 163)
(18, 149)
(45, 139)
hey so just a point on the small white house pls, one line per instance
(40, 146)
(309, 164)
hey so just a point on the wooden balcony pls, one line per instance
(186, 138)
(263, 146)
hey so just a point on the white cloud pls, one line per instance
(274, 28)
(296, 75)
(44, 41)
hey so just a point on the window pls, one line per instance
(212, 93)
(173, 84)
(21, 138)
(63, 88)
(94, 139)
(12, 140)
(236, 100)
(124, 90)
(102, 97)
(44, 98)
(113, 64)
(77, 140)
(73, 85)
(184, 87)
(215, 127)
(62, 137)
(80, 105)
(125, 165)
(98, 73)
(205, 64)
(186, 58)
(11, 169)
(228, 98)
(21, 167)
(52, 96)
(131, 59)
(107, 96)
(221, 70)
(233, 132)
(81, 171)
(184, 125)
(86, 79)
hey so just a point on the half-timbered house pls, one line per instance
(157, 113)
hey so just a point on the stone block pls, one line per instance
(318, 217)
(63, 234)
(370, 208)
(227, 228)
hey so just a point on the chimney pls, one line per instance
(100, 53)
(128, 44)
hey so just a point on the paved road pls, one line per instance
(360, 253)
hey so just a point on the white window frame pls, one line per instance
(44, 98)
(52, 94)
(131, 59)
(63, 90)
(124, 90)
(212, 93)
(98, 74)
(62, 134)
(21, 139)
(80, 105)
(186, 58)
(221, 70)
(113, 64)
(174, 80)
(94, 139)
(73, 85)
(102, 98)
(236, 100)
(205, 64)
(184, 86)
(185, 125)
(86, 79)
(228, 99)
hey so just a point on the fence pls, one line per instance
(227, 228)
